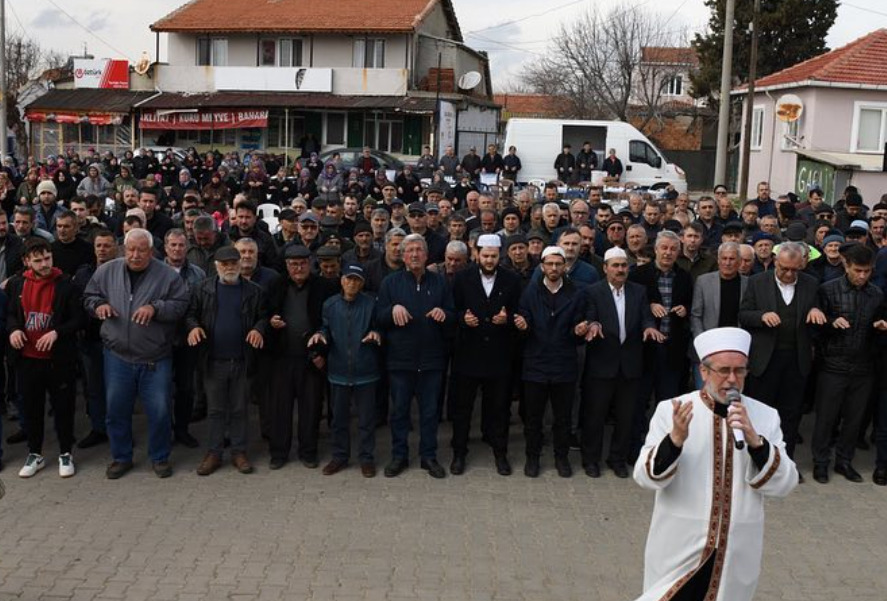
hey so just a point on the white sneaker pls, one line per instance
(66, 466)
(33, 464)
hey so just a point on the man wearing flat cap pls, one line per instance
(295, 304)
(707, 530)
(486, 297)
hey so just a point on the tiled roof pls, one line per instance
(863, 61)
(86, 101)
(669, 56)
(530, 105)
(354, 16)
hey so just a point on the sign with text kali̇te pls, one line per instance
(204, 119)
(105, 73)
(276, 79)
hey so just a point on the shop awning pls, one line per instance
(191, 119)
(70, 117)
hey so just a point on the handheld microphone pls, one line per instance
(733, 396)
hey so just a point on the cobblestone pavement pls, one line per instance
(295, 534)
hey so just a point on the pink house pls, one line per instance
(840, 136)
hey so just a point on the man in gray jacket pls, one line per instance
(139, 300)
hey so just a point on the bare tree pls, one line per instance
(595, 63)
(25, 60)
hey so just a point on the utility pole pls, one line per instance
(724, 108)
(4, 151)
(749, 105)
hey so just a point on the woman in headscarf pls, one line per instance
(281, 187)
(378, 183)
(329, 183)
(315, 165)
(7, 194)
(305, 186)
(255, 186)
(65, 186)
(123, 181)
(408, 185)
(216, 196)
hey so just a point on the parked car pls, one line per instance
(350, 156)
(179, 154)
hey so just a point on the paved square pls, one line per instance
(295, 534)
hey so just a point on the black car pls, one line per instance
(351, 155)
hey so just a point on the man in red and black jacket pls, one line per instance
(44, 315)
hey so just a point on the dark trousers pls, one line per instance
(840, 398)
(425, 387)
(39, 377)
(495, 403)
(262, 391)
(364, 398)
(601, 396)
(227, 391)
(782, 387)
(184, 364)
(662, 381)
(94, 373)
(295, 378)
(537, 395)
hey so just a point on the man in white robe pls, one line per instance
(706, 536)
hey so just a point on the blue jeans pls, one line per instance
(364, 396)
(151, 383)
(94, 374)
(425, 386)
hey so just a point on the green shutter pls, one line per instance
(412, 134)
(314, 124)
(355, 129)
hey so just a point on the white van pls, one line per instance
(539, 141)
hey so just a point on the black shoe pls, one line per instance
(162, 469)
(118, 469)
(593, 470)
(185, 439)
(503, 467)
(531, 467)
(457, 466)
(879, 477)
(563, 467)
(396, 467)
(93, 439)
(434, 469)
(846, 470)
(620, 469)
(310, 463)
(17, 437)
(276, 463)
(820, 474)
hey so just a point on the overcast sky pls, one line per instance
(512, 36)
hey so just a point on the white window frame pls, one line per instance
(858, 107)
(292, 42)
(359, 51)
(215, 58)
(757, 127)
(674, 86)
(791, 130)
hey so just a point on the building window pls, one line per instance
(869, 127)
(285, 52)
(335, 129)
(791, 135)
(212, 52)
(757, 128)
(385, 132)
(674, 86)
(369, 53)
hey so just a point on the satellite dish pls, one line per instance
(789, 108)
(144, 63)
(470, 80)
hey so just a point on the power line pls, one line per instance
(864, 9)
(88, 30)
(527, 17)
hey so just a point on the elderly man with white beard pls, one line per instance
(228, 320)
(712, 456)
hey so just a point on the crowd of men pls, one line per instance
(164, 284)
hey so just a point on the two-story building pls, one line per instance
(270, 74)
(823, 123)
